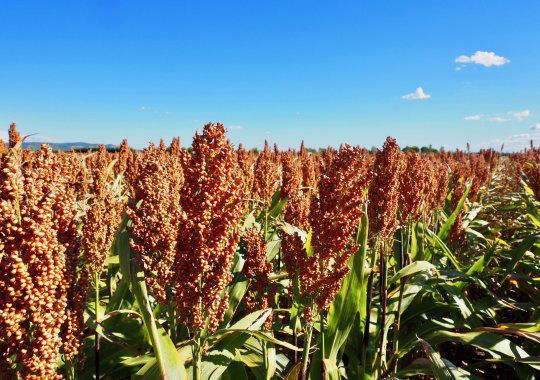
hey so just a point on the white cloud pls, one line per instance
(419, 94)
(4, 135)
(514, 142)
(142, 109)
(473, 117)
(498, 119)
(483, 58)
(520, 115)
(517, 115)
(535, 127)
(234, 127)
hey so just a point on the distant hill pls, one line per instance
(66, 145)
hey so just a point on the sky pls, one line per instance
(326, 72)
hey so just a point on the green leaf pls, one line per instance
(331, 370)
(518, 252)
(235, 371)
(225, 343)
(275, 208)
(444, 248)
(169, 362)
(307, 245)
(479, 266)
(445, 229)
(271, 359)
(482, 262)
(237, 289)
(413, 247)
(532, 211)
(122, 247)
(261, 336)
(343, 310)
(534, 336)
(414, 268)
(440, 370)
(295, 372)
(499, 347)
(272, 249)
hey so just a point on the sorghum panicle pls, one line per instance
(266, 176)
(246, 160)
(104, 213)
(3, 148)
(384, 190)
(414, 187)
(154, 209)
(291, 174)
(261, 290)
(14, 136)
(175, 147)
(33, 267)
(334, 217)
(123, 158)
(211, 201)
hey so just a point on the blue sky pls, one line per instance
(283, 70)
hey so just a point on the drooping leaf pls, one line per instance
(496, 345)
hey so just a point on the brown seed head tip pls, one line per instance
(14, 135)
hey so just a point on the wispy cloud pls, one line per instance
(473, 117)
(520, 115)
(514, 142)
(4, 135)
(516, 115)
(483, 58)
(498, 119)
(535, 127)
(234, 127)
(419, 94)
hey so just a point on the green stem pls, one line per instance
(197, 360)
(305, 353)
(402, 264)
(96, 332)
(398, 321)
(264, 345)
(383, 294)
(422, 246)
(323, 344)
(367, 365)
(70, 370)
(365, 361)
(172, 322)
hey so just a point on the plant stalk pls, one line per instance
(305, 353)
(197, 360)
(96, 332)
(323, 344)
(264, 345)
(365, 341)
(383, 295)
(172, 322)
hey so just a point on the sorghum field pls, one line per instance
(215, 262)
